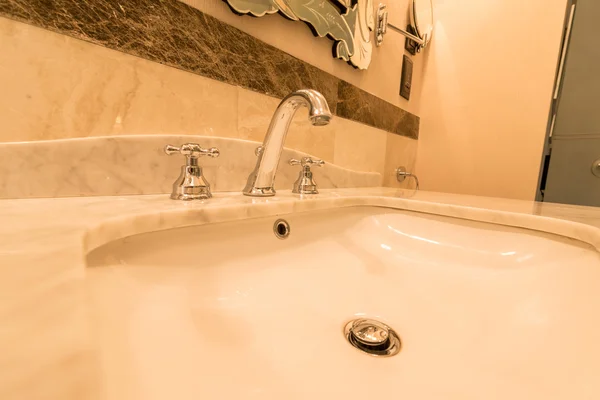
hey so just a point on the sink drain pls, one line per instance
(372, 337)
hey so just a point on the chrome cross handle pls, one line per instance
(192, 150)
(305, 183)
(307, 161)
(191, 184)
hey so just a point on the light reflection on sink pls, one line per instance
(230, 311)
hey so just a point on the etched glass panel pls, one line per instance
(348, 23)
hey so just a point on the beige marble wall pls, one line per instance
(138, 165)
(57, 87)
(381, 79)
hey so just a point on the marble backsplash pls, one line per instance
(175, 34)
(55, 87)
(136, 165)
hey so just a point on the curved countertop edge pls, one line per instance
(58, 233)
(227, 207)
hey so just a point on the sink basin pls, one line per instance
(229, 311)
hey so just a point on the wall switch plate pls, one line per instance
(406, 81)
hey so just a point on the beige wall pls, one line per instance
(381, 79)
(56, 87)
(486, 95)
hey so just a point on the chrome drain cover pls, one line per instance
(372, 337)
(282, 229)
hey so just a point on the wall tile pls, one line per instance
(360, 106)
(359, 147)
(175, 34)
(58, 87)
(128, 165)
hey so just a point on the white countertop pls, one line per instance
(45, 329)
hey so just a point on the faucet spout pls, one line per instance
(262, 179)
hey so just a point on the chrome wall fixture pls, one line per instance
(348, 23)
(421, 21)
(402, 174)
(596, 168)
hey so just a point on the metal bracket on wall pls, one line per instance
(401, 175)
(596, 168)
(383, 25)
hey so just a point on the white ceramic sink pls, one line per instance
(228, 311)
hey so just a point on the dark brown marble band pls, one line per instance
(175, 34)
(358, 105)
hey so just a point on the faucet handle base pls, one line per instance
(306, 186)
(191, 185)
(305, 183)
(188, 197)
(259, 192)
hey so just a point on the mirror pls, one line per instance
(421, 19)
(348, 23)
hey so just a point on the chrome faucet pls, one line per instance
(261, 180)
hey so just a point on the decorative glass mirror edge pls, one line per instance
(348, 23)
